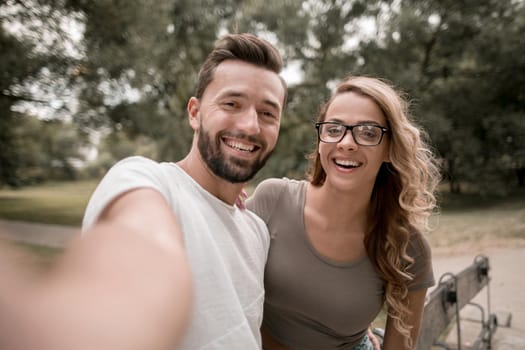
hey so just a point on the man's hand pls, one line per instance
(124, 285)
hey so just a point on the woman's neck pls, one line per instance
(339, 209)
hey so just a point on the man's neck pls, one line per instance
(195, 167)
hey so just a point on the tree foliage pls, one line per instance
(135, 66)
(46, 149)
(460, 61)
(34, 68)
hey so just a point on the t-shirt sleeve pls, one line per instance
(128, 174)
(263, 200)
(421, 269)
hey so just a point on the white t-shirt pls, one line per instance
(227, 250)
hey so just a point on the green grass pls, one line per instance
(472, 202)
(462, 216)
(465, 222)
(473, 222)
(41, 256)
(60, 203)
(38, 249)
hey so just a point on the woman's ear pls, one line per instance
(387, 151)
(193, 113)
(386, 159)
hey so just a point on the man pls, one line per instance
(167, 259)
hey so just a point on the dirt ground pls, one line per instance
(506, 259)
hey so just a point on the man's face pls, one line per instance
(237, 119)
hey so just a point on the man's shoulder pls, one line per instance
(256, 224)
(136, 160)
(250, 216)
(145, 167)
(139, 161)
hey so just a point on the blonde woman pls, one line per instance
(351, 238)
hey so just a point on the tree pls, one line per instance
(448, 56)
(13, 70)
(34, 66)
(460, 63)
(316, 36)
(141, 65)
(46, 149)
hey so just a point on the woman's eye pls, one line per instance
(334, 131)
(368, 131)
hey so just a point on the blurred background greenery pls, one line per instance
(85, 83)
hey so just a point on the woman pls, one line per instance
(350, 239)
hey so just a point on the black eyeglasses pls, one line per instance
(363, 134)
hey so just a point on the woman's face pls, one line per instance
(347, 164)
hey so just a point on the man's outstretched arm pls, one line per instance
(125, 284)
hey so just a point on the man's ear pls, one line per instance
(193, 113)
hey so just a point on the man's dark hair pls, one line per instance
(244, 47)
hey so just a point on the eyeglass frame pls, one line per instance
(383, 129)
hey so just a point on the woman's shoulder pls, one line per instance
(274, 192)
(421, 267)
(280, 183)
(418, 243)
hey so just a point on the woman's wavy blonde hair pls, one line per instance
(403, 196)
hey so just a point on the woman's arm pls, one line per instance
(395, 340)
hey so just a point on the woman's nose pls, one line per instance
(348, 141)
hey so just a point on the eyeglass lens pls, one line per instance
(368, 135)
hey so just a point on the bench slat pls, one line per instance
(438, 314)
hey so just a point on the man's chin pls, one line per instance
(235, 170)
(236, 177)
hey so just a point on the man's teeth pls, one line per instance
(241, 146)
(346, 163)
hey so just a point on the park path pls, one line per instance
(54, 236)
(507, 287)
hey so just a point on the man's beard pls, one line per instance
(231, 169)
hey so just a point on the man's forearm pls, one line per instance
(112, 289)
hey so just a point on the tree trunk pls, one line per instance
(520, 172)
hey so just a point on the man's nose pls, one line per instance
(249, 121)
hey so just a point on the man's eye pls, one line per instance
(269, 114)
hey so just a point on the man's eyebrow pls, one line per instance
(233, 93)
(272, 104)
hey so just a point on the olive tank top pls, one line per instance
(312, 302)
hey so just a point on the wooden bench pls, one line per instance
(442, 311)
